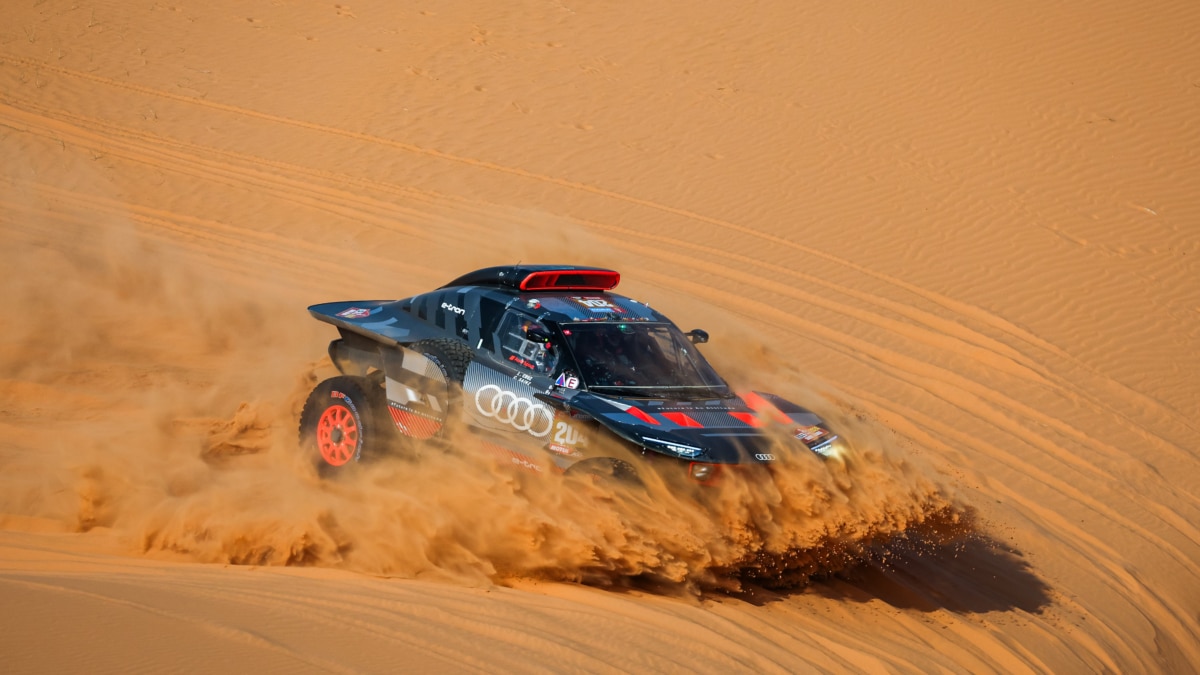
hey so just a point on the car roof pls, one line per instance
(576, 307)
(541, 277)
(559, 293)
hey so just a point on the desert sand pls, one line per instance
(968, 234)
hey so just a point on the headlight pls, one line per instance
(834, 448)
(681, 450)
(702, 472)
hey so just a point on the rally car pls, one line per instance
(551, 370)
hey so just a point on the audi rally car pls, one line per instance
(541, 362)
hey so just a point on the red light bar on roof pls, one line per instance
(571, 280)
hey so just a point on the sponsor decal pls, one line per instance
(454, 308)
(764, 457)
(354, 313)
(521, 362)
(337, 394)
(598, 305)
(563, 450)
(413, 423)
(519, 412)
(526, 464)
(567, 380)
(518, 459)
(810, 434)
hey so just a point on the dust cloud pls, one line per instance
(153, 400)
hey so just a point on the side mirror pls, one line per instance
(697, 336)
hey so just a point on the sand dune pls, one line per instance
(968, 234)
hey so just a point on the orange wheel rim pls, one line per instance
(337, 435)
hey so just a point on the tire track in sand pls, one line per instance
(954, 306)
(187, 158)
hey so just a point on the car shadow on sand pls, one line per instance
(976, 576)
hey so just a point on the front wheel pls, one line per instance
(339, 425)
(607, 470)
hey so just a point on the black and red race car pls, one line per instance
(552, 370)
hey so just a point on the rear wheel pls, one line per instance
(341, 424)
(452, 358)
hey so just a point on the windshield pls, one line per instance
(640, 357)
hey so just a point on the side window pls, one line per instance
(518, 343)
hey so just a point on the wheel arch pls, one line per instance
(356, 355)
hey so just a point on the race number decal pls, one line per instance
(566, 437)
(565, 434)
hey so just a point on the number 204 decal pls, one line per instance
(565, 439)
(565, 434)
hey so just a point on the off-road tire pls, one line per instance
(608, 470)
(452, 357)
(343, 423)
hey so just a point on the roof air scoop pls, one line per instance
(571, 280)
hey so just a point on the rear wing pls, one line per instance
(373, 319)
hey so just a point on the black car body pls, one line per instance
(541, 361)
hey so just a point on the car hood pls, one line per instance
(747, 429)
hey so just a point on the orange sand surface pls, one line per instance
(967, 234)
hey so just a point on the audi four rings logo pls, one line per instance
(519, 412)
(765, 457)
